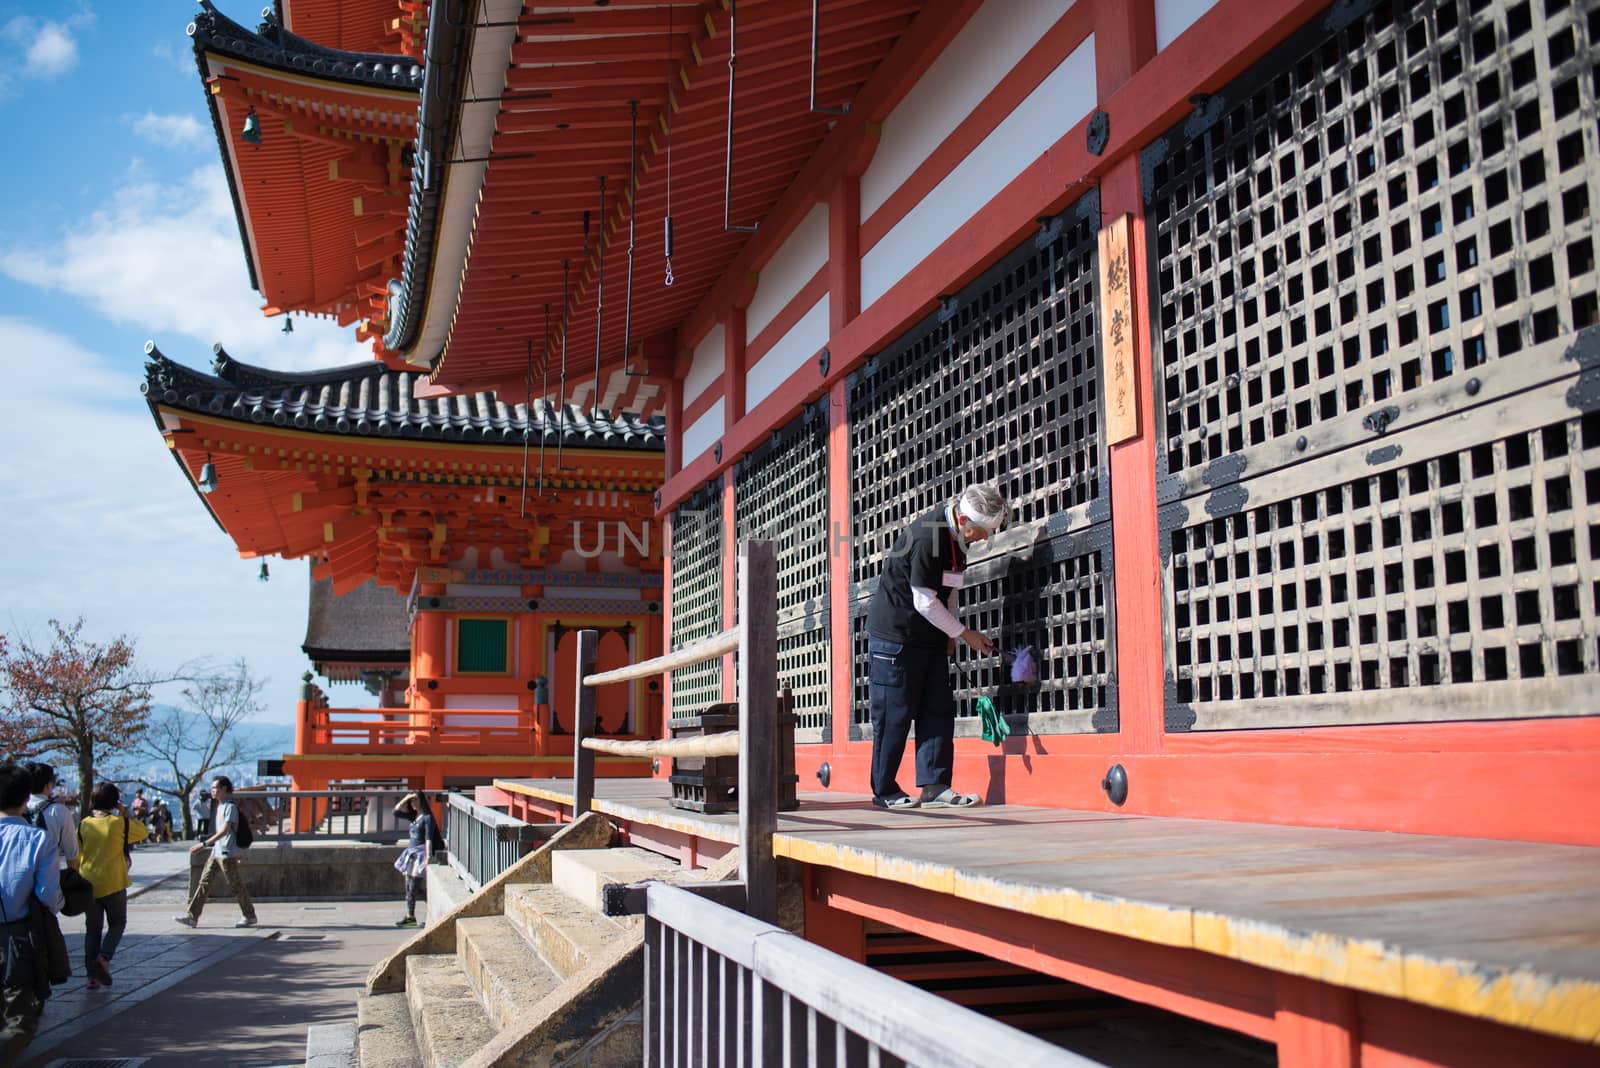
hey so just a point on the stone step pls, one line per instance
(583, 874)
(449, 1021)
(566, 933)
(331, 1045)
(509, 976)
(383, 1033)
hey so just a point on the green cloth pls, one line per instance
(995, 727)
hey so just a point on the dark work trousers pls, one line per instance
(910, 686)
(112, 911)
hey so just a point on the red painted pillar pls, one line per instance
(733, 371)
(842, 659)
(1318, 1024)
(675, 428)
(844, 304)
(1140, 647)
(844, 252)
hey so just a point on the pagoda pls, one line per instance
(484, 533)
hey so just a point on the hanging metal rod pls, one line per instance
(527, 420)
(491, 159)
(599, 302)
(727, 166)
(561, 439)
(815, 4)
(633, 212)
(544, 396)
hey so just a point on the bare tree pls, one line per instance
(82, 699)
(208, 733)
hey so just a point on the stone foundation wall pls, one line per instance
(342, 871)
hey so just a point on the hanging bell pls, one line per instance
(264, 575)
(208, 477)
(288, 326)
(251, 134)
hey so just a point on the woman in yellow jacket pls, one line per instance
(104, 839)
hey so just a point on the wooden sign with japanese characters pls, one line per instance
(1116, 331)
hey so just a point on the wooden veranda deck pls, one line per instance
(1503, 931)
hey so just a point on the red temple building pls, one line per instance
(1275, 319)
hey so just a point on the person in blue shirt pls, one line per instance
(28, 879)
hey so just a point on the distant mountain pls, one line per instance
(268, 741)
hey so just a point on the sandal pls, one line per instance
(896, 801)
(948, 798)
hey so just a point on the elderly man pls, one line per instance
(911, 632)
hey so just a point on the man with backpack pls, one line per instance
(232, 836)
(28, 881)
(50, 815)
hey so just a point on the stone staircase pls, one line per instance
(526, 972)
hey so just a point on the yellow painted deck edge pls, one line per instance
(1568, 1009)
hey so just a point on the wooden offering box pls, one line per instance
(711, 784)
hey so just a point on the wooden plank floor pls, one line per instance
(1507, 931)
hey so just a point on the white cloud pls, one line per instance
(165, 259)
(99, 521)
(52, 52)
(49, 48)
(172, 131)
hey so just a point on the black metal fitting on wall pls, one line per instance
(1099, 132)
(1115, 784)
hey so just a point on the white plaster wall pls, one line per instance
(991, 43)
(802, 254)
(1175, 16)
(705, 430)
(480, 700)
(802, 341)
(706, 366)
(1059, 102)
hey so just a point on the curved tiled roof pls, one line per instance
(369, 400)
(273, 46)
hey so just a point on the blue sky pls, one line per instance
(116, 227)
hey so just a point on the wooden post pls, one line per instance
(583, 725)
(758, 726)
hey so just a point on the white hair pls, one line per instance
(984, 504)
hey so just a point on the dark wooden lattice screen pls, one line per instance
(697, 531)
(781, 492)
(1374, 296)
(1004, 382)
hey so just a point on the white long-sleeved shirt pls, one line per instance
(940, 613)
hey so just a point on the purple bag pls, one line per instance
(1025, 665)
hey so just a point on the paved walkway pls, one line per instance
(215, 996)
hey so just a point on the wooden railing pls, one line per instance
(439, 730)
(721, 988)
(755, 639)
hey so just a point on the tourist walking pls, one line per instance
(911, 633)
(202, 814)
(161, 822)
(108, 833)
(223, 861)
(412, 863)
(28, 881)
(46, 812)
